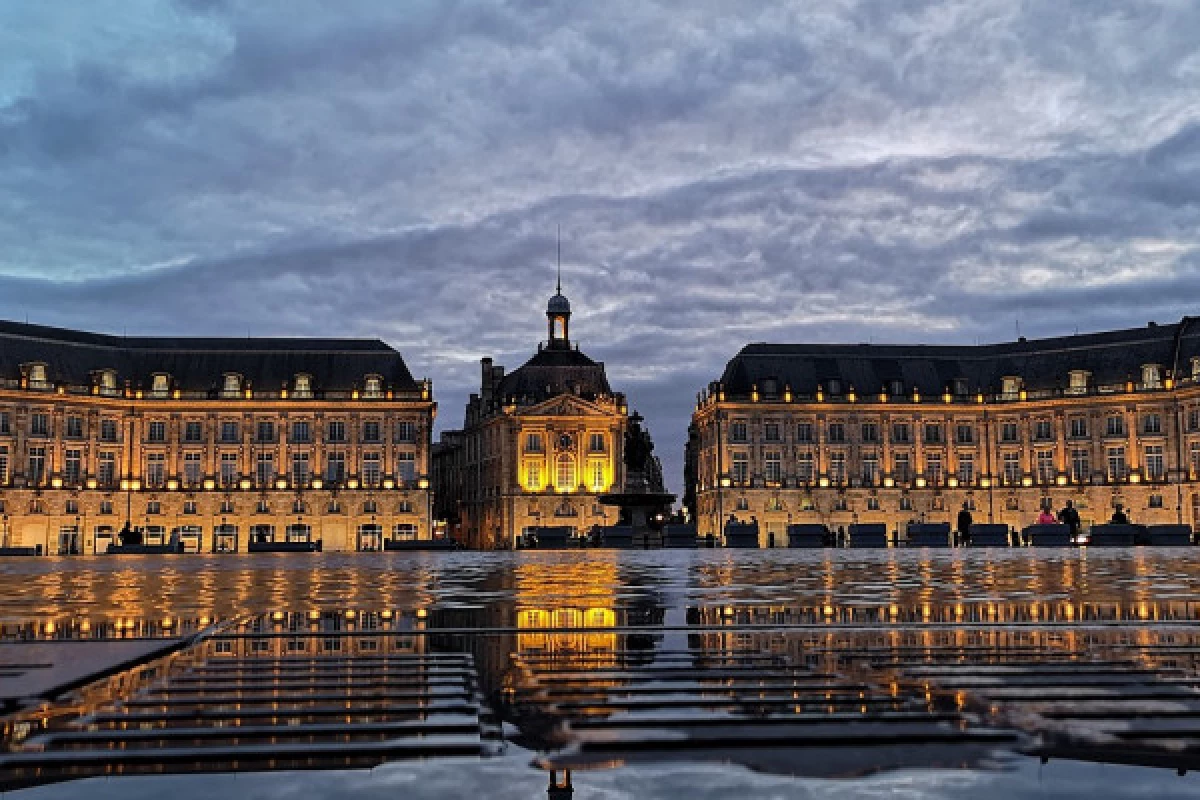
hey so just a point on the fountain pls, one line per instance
(644, 502)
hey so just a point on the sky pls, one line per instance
(723, 172)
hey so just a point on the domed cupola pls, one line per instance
(558, 318)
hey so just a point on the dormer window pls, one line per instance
(897, 388)
(960, 387)
(373, 387)
(160, 384)
(232, 386)
(108, 381)
(835, 387)
(770, 389)
(1079, 381)
(302, 386)
(1196, 368)
(1010, 386)
(37, 376)
(1151, 376)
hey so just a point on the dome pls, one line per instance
(558, 304)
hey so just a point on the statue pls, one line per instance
(643, 470)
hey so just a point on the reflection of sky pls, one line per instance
(511, 778)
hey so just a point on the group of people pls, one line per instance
(1067, 515)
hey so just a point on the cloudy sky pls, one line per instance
(723, 172)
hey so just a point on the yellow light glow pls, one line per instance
(726, 483)
(316, 483)
(952, 482)
(388, 483)
(210, 484)
(1023, 394)
(985, 482)
(281, 483)
(135, 485)
(245, 483)
(1061, 480)
(1135, 477)
(1027, 481)
(423, 483)
(824, 482)
(352, 483)
(888, 483)
(172, 485)
(56, 483)
(920, 483)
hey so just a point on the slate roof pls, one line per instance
(1043, 364)
(199, 363)
(554, 371)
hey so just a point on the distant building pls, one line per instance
(838, 434)
(209, 441)
(537, 447)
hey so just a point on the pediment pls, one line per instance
(565, 406)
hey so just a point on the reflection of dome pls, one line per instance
(558, 304)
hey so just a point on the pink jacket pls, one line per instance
(1046, 518)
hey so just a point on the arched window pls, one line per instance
(565, 476)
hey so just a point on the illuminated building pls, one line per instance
(839, 434)
(538, 446)
(210, 442)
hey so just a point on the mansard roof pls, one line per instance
(1111, 357)
(554, 371)
(198, 364)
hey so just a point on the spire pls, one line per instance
(558, 286)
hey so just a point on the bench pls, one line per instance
(1047, 535)
(928, 534)
(807, 535)
(868, 534)
(988, 534)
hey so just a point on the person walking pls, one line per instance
(964, 524)
(1070, 517)
(1119, 516)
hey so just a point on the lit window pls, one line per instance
(565, 475)
(533, 476)
(160, 385)
(373, 387)
(1079, 381)
(1151, 376)
(37, 376)
(597, 475)
(232, 386)
(1010, 387)
(302, 386)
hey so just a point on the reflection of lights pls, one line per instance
(386, 613)
(277, 616)
(314, 615)
(50, 628)
(351, 613)
(168, 623)
(204, 622)
(422, 613)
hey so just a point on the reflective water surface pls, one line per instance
(1007, 673)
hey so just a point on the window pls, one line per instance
(837, 468)
(37, 376)
(1155, 470)
(406, 467)
(901, 433)
(804, 467)
(265, 431)
(106, 472)
(741, 468)
(230, 433)
(1079, 381)
(872, 503)
(565, 475)
(960, 387)
(906, 503)
(773, 469)
(189, 507)
(37, 466)
(406, 432)
(771, 432)
(1193, 419)
(1194, 454)
(837, 432)
(737, 431)
(835, 387)
(232, 385)
(108, 430)
(74, 427)
(153, 507)
(1116, 464)
(1079, 427)
(870, 469)
(300, 471)
(1043, 430)
(156, 470)
(108, 382)
(1114, 425)
(193, 432)
(337, 431)
(1045, 466)
(1155, 501)
(302, 386)
(371, 471)
(870, 432)
(964, 433)
(5, 426)
(933, 469)
(1008, 432)
(597, 468)
(1151, 376)
(227, 507)
(1011, 503)
(373, 387)
(933, 433)
(39, 424)
(533, 443)
(1012, 468)
(335, 467)
(157, 431)
(3, 465)
(596, 443)
(192, 472)
(262, 507)
(1152, 423)
(804, 432)
(901, 468)
(1081, 466)
(966, 469)
(229, 469)
(404, 531)
(300, 432)
(264, 473)
(106, 507)
(533, 476)
(160, 385)
(1010, 387)
(370, 432)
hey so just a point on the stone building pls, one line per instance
(211, 441)
(839, 434)
(538, 445)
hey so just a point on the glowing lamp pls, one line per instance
(920, 482)
(244, 483)
(352, 483)
(824, 482)
(172, 485)
(135, 485)
(281, 483)
(423, 483)
(209, 484)
(1027, 481)
(56, 483)
(388, 483)
(91, 484)
(1135, 477)
(985, 482)
(952, 482)
(888, 483)
(1061, 480)
(317, 483)
(726, 483)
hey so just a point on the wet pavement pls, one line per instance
(646, 674)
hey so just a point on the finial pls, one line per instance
(558, 286)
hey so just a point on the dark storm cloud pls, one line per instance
(723, 172)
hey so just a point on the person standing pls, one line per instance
(1119, 516)
(964, 524)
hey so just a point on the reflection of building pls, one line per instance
(838, 434)
(211, 441)
(538, 446)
